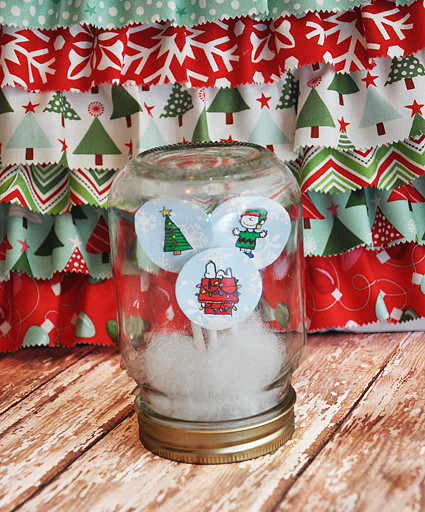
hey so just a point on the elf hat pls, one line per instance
(261, 213)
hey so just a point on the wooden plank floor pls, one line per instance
(69, 437)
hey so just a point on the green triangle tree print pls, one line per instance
(314, 113)
(50, 243)
(179, 102)
(174, 240)
(228, 101)
(23, 264)
(28, 135)
(290, 92)
(405, 68)
(418, 126)
(342, 83)
(97, 142)
(377, 111)
(266, 132)
(4, 104)
(357, 198)
(341, 239)
(124, 105)
(60, 105)
(200, 133)
(151, 137)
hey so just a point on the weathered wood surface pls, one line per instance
(71, 442)
(23, 371)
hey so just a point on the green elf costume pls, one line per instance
(251, 220)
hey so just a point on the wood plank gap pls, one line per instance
(335, 430)
(48, 379)
(126, 416)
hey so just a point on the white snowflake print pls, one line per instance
(310, 245)
(146, 222)
(411, 227)
(195, 234)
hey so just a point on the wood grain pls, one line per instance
(376, 460)
(46, 431)
(24, 371)
(117, 473)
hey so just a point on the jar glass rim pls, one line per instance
(197, 159)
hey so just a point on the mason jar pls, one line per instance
(208, 276)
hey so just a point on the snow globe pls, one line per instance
(208, 277)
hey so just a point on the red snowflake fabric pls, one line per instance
(221, 53)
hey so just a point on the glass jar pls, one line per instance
(208, 277)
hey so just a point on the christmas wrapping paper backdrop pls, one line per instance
(357, 288)
(216, 54)
(103, 128)
(41, 245)
(51, 13)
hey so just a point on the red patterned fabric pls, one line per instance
(65, 310)
(362, 286)
(352, 289)
(221, 53)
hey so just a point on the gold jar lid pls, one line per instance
(217, 442)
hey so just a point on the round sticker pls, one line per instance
(171, 231)
(218, 288)
(256, 226)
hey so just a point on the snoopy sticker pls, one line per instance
(251, 220)
(218, 291)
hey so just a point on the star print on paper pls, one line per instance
(64, 146)
(90, 10)
(29, 107)
(333, 209)
(415, 107)
(149, 109)
(25, 245)
(76, 242)
(130, 147)
(264, 100)
(342, 125)
(229, 139)
(370, 80)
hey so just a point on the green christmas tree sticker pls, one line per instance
(179, 102)
(60, 105)
(405, 68)
(228, 101)
(96, 141)
(200, 132)
(124, 105)
(174, 241)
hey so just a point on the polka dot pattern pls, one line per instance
(51, 14)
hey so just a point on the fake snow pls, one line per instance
(228, 379)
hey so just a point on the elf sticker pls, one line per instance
(258, 227)
(171, 231)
